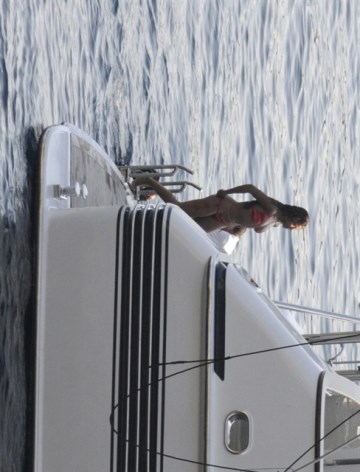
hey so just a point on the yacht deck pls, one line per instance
(106, 186)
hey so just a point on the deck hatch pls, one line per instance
(140, 327)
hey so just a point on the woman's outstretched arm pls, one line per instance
(266, 202)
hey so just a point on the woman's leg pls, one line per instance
(203, 207)
(208, 223)
(163, 192)
(195, 208)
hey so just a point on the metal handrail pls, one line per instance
(182, 184)
(170, 170)
(346, 362)
(318, 312)
(344, 337)
(157, 172)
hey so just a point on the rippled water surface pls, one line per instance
(240, 91)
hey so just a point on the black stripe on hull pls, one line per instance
(219, 321)
(138, 398)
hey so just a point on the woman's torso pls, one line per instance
(248, 214)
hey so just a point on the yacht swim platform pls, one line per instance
(76, 160)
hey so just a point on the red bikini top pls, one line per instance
(258, 217)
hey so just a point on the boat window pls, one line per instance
(237, 432)
(341, 427)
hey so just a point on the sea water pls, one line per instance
(262, 92)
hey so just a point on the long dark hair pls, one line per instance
(298, 216)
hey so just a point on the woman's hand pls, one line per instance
(221, 194)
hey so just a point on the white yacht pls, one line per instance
(155, 353)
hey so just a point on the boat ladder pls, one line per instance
(158, 172)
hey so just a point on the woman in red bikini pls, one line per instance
(221, 211)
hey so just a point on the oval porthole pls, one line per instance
(237, 432)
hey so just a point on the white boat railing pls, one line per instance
(343, 337)
(316, 311)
